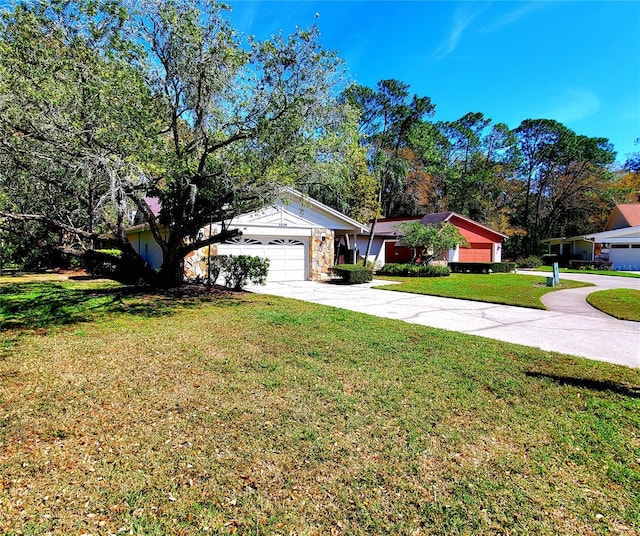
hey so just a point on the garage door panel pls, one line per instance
(478, 252)
(625, 258)
(277, 253)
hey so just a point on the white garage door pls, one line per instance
(625, 256)
(287, 256)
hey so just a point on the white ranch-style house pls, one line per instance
(619, 243)
(297, 234)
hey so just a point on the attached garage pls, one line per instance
(288, 258)
(624, 255)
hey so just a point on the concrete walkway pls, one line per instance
(571, 331)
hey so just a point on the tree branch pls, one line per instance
(215, 239)
(49, 221)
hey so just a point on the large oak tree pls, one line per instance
(105, 104)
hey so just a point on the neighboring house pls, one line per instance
(485, 244)
(297, 234)
(619, 243)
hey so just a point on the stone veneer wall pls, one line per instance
(321, 260)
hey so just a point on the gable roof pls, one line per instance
(437, 217)
(293, 209)
(386, 226)
(624, 215)
(440, 217)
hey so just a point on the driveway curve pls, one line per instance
(594, 336)
(575, 300)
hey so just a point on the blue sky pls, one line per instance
(575, 62)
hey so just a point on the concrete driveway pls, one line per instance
(577, 330)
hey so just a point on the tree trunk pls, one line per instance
(171, 273)
(370, 241)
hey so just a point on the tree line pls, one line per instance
(106, 104)
(536, 181)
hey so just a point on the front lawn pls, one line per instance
(623, 303)
(126, 413)
(507, 289)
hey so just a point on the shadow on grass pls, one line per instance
(595, 385)
(40, 305)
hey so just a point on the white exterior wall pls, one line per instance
(584, 249)
(146, 246)
(496, 253)
(376, 254)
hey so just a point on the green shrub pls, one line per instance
(392, 269)
(549, 258)
(415, 270)
(353, 273)
(240, 269)
(590, 265)
(435, 271)
(482, 267)
(531, 261)
(103, 262)
(216, 265)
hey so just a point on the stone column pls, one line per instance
(321, 254)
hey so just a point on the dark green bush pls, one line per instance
(415, 270)
(590, 265)
(549, 258)
(482, 267)
(216, 265)
(240, 269)
(531, 261)
(103, 262)
(353, 273)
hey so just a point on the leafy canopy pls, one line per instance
(433, 239)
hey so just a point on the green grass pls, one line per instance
(251, 414)
(620, 303)
(507, 289)
(594, 272)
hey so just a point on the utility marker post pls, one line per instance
(556, 274)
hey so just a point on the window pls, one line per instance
(285, 242)
(620, 246)
(250, 241)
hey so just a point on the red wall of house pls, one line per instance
(473, 233)
(397, 254)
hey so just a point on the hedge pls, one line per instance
(414, 270)
(482, 267)
(531, 261)
(590, 265)
(353, 273)
(117, 265)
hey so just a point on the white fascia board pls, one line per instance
(621, 240)
(562, 239)
(629, 233)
